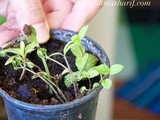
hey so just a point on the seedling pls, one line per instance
(85, 62)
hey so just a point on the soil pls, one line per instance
(36, 91)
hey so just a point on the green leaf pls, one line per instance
(75, 39)
(2, 19)
(92, 73)
(78, 50)
(92, 61)
(31, 33)
(79, 75)
(107, 83)
(68, 80)
(16, 51)
(22, 47)
(116, 69)
(83, 32)
(74, 76)
(81, 62)
(30, 47)
(95, 85)
(30, 65)
(2, 53)
(83, 89)
(67, 47)
(103, 69)
(15, 65)
(10, 60)
(42, 52)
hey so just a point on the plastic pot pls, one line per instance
(84, 108)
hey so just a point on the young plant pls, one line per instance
(86, 64)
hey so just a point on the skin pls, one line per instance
(44, 15)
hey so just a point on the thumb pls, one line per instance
(31, 12)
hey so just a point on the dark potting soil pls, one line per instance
(36, 91)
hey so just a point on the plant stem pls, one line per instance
(23, 71)
(66, 62)
(57, 62)
(63, 57)
(90, 85)
(46, 68)
(75, 89)
(60, 92)
(50, 83)
(101, 78)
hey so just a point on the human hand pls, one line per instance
(43, 15)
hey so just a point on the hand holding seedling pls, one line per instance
(43, 15)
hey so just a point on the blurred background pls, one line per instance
(130, 36)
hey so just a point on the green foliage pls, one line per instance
(107, 83)
(83, 89)
(31, 34)
(103, 69)
(86, 64)
(95, 85)
(2, 19)
(2, 53)
(116, 69)
(42, 53)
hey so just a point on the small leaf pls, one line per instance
(30, 65)
(83, 32)
(74, 76)
(92, 73)
(2, 53)
(81, 62)
(95, 85)
(30, 47)
(10, 60)
(75, 39)
(116, 69)
(2, 19)
(31, 34)
(83, 89)
(22, 47)
(92, 60)
(78, 50)
(15, 65)
(79, 75)
(103, 69)
(68, 80)
(16, 51)
(107, 83)
(42, 52)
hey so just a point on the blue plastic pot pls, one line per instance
(79, 109)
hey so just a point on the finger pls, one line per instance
(56, 11)
(82, 12)
(8, 34)
(3, 9)
(31, 12)
(10, 24)
(9, 30)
